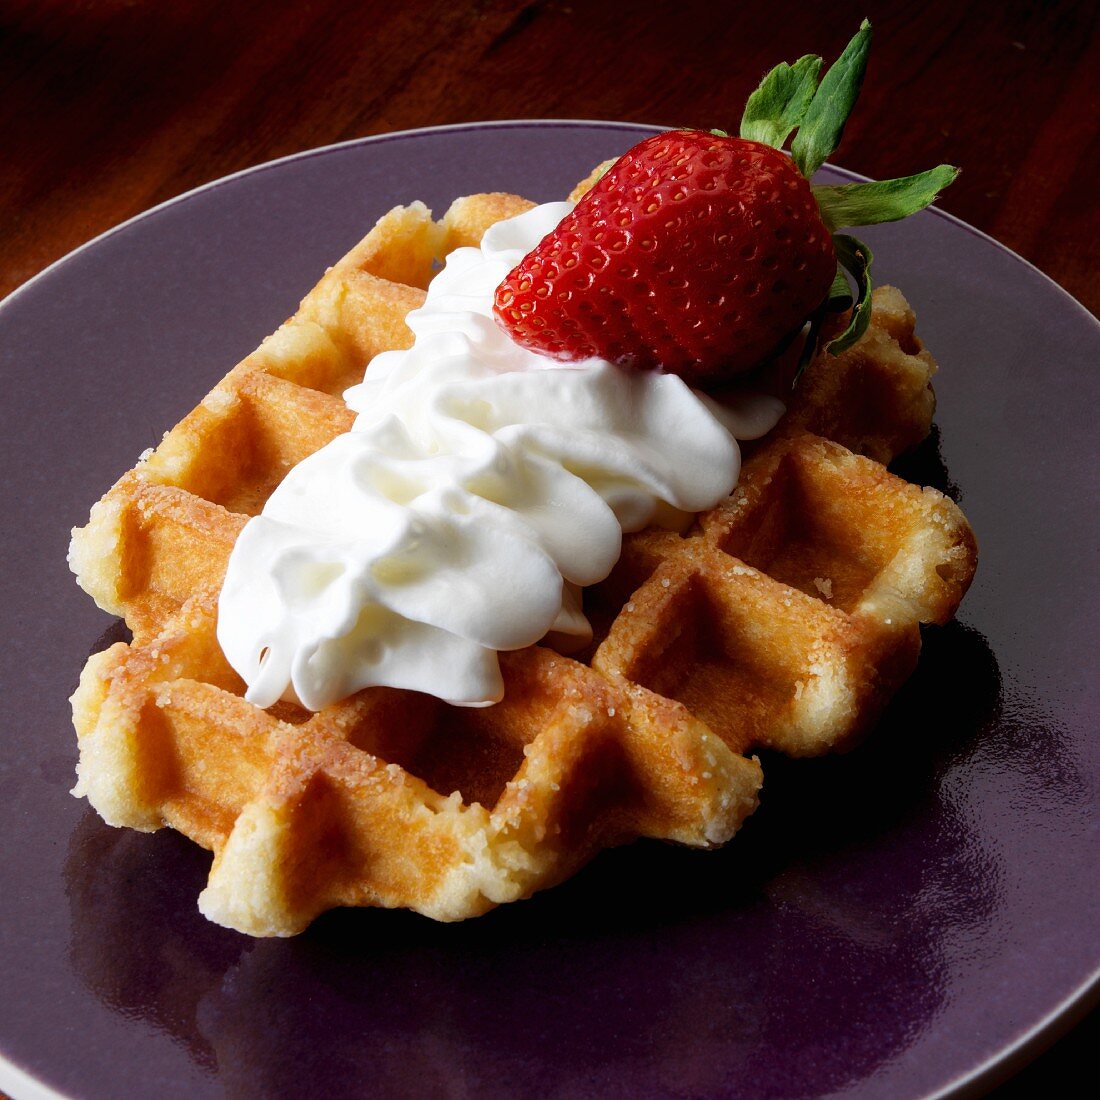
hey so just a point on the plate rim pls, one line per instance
(1000, 1067)
(488, 124)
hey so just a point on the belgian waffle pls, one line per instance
(785, 618)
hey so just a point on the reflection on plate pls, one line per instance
(446, 1004)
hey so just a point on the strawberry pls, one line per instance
(704, 254)
(694, 252)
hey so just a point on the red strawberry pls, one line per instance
(694, 252)
(701, 253)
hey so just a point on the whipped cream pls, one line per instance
(480, 488)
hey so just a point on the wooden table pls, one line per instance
(111, 106)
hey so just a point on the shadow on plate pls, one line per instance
(812, 940)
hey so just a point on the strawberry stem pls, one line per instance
(840, 294)
(837, 300)
(882, 201)
(855, 257)
(823, 124)
(780, 101)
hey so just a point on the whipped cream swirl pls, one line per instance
(480, 488)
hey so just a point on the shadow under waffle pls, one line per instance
(622, 965)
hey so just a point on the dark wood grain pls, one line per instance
(111, 106)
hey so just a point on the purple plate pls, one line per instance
(911, 918)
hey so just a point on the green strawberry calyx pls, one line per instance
(792, 99)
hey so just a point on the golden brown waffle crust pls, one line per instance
(785, 620)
